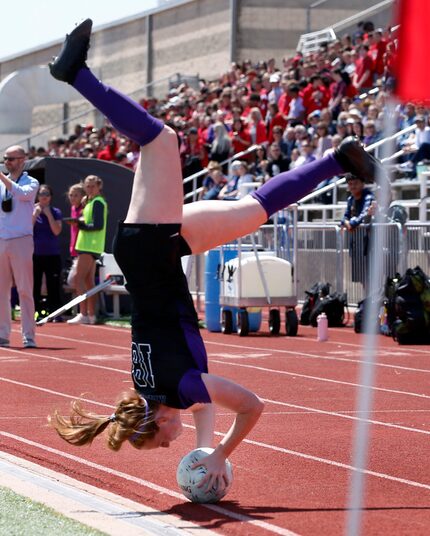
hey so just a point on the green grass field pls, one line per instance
(20, 516)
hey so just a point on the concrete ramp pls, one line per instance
(22, 90)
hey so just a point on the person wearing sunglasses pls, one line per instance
(17, 192)
(47, 221)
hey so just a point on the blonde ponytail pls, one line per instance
(133, 420)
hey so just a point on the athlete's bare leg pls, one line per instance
(157, 187)
(208, 224)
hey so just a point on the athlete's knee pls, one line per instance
(170, 136)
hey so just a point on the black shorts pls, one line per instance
(166, 341)
(150, 259)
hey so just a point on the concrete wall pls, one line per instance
(272, 29)
(192, 39)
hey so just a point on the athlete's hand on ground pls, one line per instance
(216, 476)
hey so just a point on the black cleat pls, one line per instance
(73, 54)
(354, 159)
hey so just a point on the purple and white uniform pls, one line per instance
(168, 354)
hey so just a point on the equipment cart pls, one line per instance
(259, 278)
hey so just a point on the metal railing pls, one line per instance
(417, 247)
(310, 41)
(373, 147)
(363, 15)
(194, 193)
(329, 253)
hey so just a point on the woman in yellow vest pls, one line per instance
(89, 246)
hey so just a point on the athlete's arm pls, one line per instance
(244, 403)
(204, 419)
(247, 407)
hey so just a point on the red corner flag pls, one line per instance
(412, 66)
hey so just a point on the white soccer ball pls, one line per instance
(188, 479)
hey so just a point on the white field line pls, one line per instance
(243, 349)
(318, 378)
(91, 505)
(307, 355)
(254, 367)
(275, 402)
(410, 349)
(345, 416)
(155, 487)
(315, 410)
(272, 448)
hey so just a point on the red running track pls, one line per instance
(291, 475)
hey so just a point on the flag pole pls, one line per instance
(364, 399)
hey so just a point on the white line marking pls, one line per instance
(73, 361)
(341, 465)
(276, 402)
(91, 505)
(320, 379)
(151, 485)
(57, 393)
(301, 355)
(160, 489)
(237, 356)
(343, 416)
(295, 354)
(411, 350)
(112, 369)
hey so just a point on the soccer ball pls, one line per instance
(188, 479)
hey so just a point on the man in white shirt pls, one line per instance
(422, 132)
(418, 144)
(17, 191)
(296, 112)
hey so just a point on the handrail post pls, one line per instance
(339, 260)
(295, 238)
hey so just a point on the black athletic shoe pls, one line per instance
(73, 54)
(354, 159)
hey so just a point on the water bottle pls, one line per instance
(384, 328)
(322, 327)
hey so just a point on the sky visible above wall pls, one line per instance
(29, 24)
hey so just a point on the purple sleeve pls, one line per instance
(56, 212)
(191, 389)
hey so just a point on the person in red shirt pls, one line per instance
(364, 69)
(110, 150)
(315, 95)
(253, 101)
(390, 60)
(377, 49)
(285, 98)
(225, 104)
(256, 127)
(340, 87)
(193, 154)
(240, 137)
(259, 88)
(276, 118)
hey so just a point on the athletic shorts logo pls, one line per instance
(142, 369)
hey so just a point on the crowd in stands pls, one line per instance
(294, 112)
